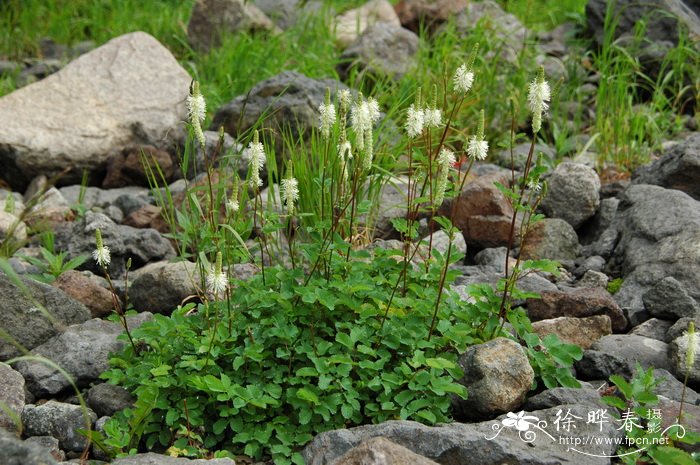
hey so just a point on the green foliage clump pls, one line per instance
(614, 285)
(293, 360)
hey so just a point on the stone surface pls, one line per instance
(551, 238)
(593, 279)
(142, 246)
(646, 351)
(580, 331)
(49, 443)
(672, 388)
(287, 13)
(469, 444)
(383, 49)
(350, 24)
(581, 302)
(94, 197)
(87, 291)
(664, 19)
(79, 116)
(381, 451)
(16, 452)
(158, 459)
(677, 354)
(11, 226)
(59, 420)
(497, 375)
(11, 397)
(23, 319)
(557, 396)
(680, 327)
(160, 287)
(81, 350)
(596, 365)
(127, 167)
(653, 328)
(657, 233)
(50, 210)
(669, 299)
(212, 18)
(573, 193)
(482, 212)
(430, 13)
(678, 169)
(106, 399)
(288, 101)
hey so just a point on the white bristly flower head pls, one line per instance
(463, 79)
(232, 202)
(290, 193)
(217, 282)
(255, 153)
(432, 117)
(196, 111)
(415, 120)
(327, 115)
(538, 98)
(344, 98)
(478, 147)
(101, 252)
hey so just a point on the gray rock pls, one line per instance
(487, 443)
(595, 227)
(106, 399)
(678, 355)
(653, 328)
(49, 443)
(497, 375)
(81, 350)
(60, 421)
(124, 242)
(669, 299)
(593, 279)
(348, 25)
(160, 287)
(392, 204)
(506, 33)
(680, 327)
(594, 263)
(441, 241)
(672, 388)
(289, 101)
(648, 352)
(381, 451)
(678, 169)
(11, 398)
(95, 197)
(157, 459)
(583, 332)
(12, 226)
(80, 115)
(16, 452)
(664, 19)
(596, 365)
(659, 230)
(383, 49)
(211, 18)
(287, 13)
(573, 193)
(551, 238)
(555, 397)
(24, 320)
(520, 152)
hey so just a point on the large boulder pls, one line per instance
(59, 420)
(350, 24)
(11, 397)
(678, 169)
(573, 193)
(487, 443)
(16, 452)
(128, 92)
(212, 18)
(33, 313)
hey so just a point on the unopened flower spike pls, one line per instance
(692, 346)
(538, 98)
(256, 156)
(101, 252)
(217, 282)
(446, 160)
(478, 147)
(196, 111)
(232, 202)
(327, 115)
(289, 192)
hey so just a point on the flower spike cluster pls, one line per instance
(326, 115)
(478, 147)
(463, 78)
(101, 252)
(446, 160)
(289, 188)
(217, 282)
(255, 153)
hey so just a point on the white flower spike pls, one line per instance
(538, 99)
(255, 153)
(196, 111)
(217, 282)
(478, 147)
(289, 188)
(101, 252)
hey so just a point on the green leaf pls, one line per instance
(427, 415)
(308, 395)
(440, 363)
(307, 371)
(666, 455)
(161, 370)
